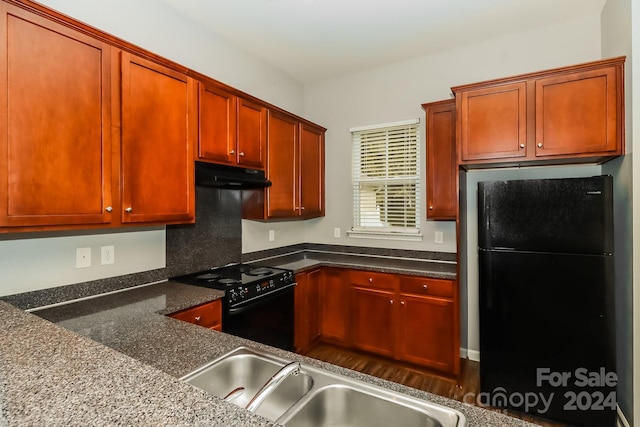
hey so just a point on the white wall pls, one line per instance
(396, 92)
(616, 40)
(38, 261)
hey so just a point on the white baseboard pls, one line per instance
(470, 354)
(622, 420)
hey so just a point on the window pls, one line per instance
(386, 180)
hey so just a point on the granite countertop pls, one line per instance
(116, 360)
(309, 259)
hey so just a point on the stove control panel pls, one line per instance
(249, 291)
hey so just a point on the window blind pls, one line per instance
(386, 178)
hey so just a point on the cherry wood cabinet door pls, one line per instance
(252, 134)
(576, 113)
(158, 134)
(334, 305)
(442, 169)
(492, 122)
(426, 332)
(314, 279)
(307, 304)
(55, 121)
(311, 173)
(217, 124)
(372, 320)
(282, 166)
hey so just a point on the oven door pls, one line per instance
(268, 320)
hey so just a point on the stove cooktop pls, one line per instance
(242, 281)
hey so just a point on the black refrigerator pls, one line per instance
(546, 291)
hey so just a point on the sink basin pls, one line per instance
(341, 405)
(246, 368)
(316, 397)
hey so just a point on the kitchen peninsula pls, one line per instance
(128, 372)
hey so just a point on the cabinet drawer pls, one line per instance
(373, 280)
(426, 286)
(208, 315)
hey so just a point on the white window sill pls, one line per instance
(385, 235)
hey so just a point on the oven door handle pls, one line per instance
(248, 305)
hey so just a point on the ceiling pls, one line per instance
(313, 40)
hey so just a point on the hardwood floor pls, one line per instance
(413, 376)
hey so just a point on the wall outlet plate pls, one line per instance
(107, 255)
(272, 235)
(439, 238)
(83, 257)
(336, 232)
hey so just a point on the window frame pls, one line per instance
(390, 232)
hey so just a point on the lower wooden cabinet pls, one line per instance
(408, 318)
(334, 306)
(306, 310)
(208, 315)
(372, 320)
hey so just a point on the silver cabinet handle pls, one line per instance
(521, 145)
(241, 154)
(539, 144)
(109, 209)
(129, 209)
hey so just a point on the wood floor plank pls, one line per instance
(462, 389)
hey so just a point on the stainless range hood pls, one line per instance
(229, 177)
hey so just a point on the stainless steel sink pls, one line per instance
(316, 397)
(250, 369)
(340, 405)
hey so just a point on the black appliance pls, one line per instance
(547, 298)
(258, 301)
(230, 177)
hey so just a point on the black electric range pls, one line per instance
(258, 302)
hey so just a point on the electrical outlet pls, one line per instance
(336, 232)
(107, 255)
(272, 235)
(83, 257)
(439, 238)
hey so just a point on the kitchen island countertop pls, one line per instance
(116, 360)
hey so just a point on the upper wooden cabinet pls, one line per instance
(295, 166)
(233, 130)
(55, 116)
(158, 132)
(566, 115)
(217, 124)
(252, 134)
(442, 169)
(311, 167)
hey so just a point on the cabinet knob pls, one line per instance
(402, 302)
(539, 144)
(241, 154)
(370, 279)
(109, 209)
(430, 208)
(301, 208)
(425, 286)
(129, 209)
(197, 319)
(232, 152)
(521, 145)
(391, 301)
